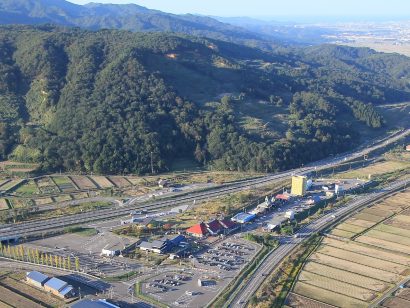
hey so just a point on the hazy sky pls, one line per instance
(385, 8)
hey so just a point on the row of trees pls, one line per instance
(37, 257)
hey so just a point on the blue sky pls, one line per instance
(386, 8)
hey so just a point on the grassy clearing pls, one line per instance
(61, 180)
(81, 231)
(28, 189)
(375, 169)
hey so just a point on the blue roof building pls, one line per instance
(88, 303)
(36, 278)
(243, 218)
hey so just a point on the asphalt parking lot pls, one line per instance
(214, 267)
(88, 250)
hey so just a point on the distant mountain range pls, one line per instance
(131, 17)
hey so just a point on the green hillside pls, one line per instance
(108, 101)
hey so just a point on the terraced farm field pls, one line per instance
(102, 181)
(120, 181)
(64, 183)
(368, 255)
(83, 182)
(3, 204)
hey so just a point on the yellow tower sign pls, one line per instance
(298, 185)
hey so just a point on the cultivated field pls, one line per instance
(354, 273)
(120, 181)
(64, 183)
(375, 169)
(42, 201)
(102, 181)
(82, 182)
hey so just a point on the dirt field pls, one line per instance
(396, 302)
(350, 228)
(340, 275)
(337, 286)
(369, 251)
(83, 182)
(355, 268)
(16, 300)
(389, 237)
(393, 230)
(361, 259)
(378, 212)
(360, 222)
(31, 292)
(299, 301)
(384, 244)
(102, 181)
(120, 181)
(62, 198)
(328, 297)
(369, 217)
(342, 233)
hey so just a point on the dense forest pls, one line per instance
(110, 101)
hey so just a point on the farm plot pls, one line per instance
(24, 288)
(64, 183)
(102, 181)
(361, 259)
(404, 293)
(62, 198)
(43, 201)
(27, 189)
(135, 181)
(368, 251)
(298, 301)
(16, 300)
(384, 244)
(328, 297)
(344, 276)
(350, 228)
(389, 237)
(342, 233)
(120, 181)
(399, 221)
(82, 195)
(355, 268)
(337, 286)
(360, 222)
(4, 205)
(11, 184)
(369, 217)
(82, 182)
(396, 302)
(47, 186)
(18, 203)
(378, 212)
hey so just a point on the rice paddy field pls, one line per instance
(366, 256)
(83, 182)
(102, 181)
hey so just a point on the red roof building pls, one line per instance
(282, 197)
(227, 223)
(198, 230)
(214, 227)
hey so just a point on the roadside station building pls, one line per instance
(59, 288)
(36, 279)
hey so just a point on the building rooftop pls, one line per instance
(227, 223)
(214, 226)
(88, 303)
(37, 276)
(198, 229)
(66, 290)
(56, 284)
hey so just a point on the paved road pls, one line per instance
(10, 231)
(288, 244)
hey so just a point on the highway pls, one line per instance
(11, 231)
(289, 243)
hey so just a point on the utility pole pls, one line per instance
(152, 164)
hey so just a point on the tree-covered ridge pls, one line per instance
(110, 101)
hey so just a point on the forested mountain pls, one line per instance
(107, 101)
(131, 17)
